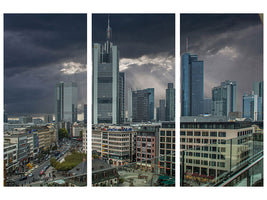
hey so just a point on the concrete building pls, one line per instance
(105, 102)
(166, 163)
(84, 140)
(224, 99)
(147, 146)
(11, 156)
(85, 114)
(192, 85)
(115, 144)
(210, 148)
(66, 102)
(48, 118)
(77, 130)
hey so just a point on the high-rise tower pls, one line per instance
(105, 81)
(224, 99)
(66, 102)
(170, 103)
(192, 93)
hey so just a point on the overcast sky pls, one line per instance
(146, 43)
(231, 47)
(40, 51)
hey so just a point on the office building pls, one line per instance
(48, 118)
(207, 106)
(115, 144)
(166, 163)
(192, 82)
(252, 107)
(257, 88)
(121, 97)
(85, 114)
(170, 103)
(105, 100)
(211, 148)
(66, 102)
(224, 99)
(147, 146)
(140, 106)
(151, 103)
(162, 109)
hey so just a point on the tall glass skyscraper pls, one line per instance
(151, 103)
(121, 97)
(170, 103)
(105, 82)
(66, 102)
(252, 107)
(192, 82)
(224, 99)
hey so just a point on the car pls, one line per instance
(42, 173)
(30, 175)
(23, 178)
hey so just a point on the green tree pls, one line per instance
(63, 133)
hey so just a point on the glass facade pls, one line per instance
(66, 102)
(192, 82)
(170, 103)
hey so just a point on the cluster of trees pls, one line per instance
(70, 162)
(63, 133)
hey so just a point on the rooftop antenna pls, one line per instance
(186, 44)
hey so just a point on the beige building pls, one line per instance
(212, 148)
(114, 143)
(47, 137)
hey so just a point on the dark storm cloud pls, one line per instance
(231, 46)
(39, 51)
(137, 34)
(146, 44)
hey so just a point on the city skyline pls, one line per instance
(40, 50)
(231, 46)
(146, 45)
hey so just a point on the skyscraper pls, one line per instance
(224, 99)
(105, 82)
(192, 76)
(170, 103)
(162, 109)
(140, 106)
(66, 102)
(257, 88)
(85, 114)
(151, 103)
(252, 107)
(121, 97)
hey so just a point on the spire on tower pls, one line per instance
(186, 45)
(108, 30)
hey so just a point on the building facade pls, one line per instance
(115, 144)
(66, 102)
(140, 106)
(224, 99)
(162, 109)
(192, 82)
(105, 82)
(166, 163)
(252, 107)
(147, 147)
(209, 149)
(121, 97)
(170, 103)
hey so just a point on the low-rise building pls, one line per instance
(114, 143)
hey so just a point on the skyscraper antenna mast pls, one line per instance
(186, 45)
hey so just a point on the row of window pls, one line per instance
(206, 155)
(203, 134)
(242, 133)
(205, 162)
(167, 133)
(167, 139)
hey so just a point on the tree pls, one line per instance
(62, 133)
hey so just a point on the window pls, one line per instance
(182, 132)
(162, 133)
(169, 133)
(205, 134)
(190, 140)
(182, 146)
(182, 139)
(173, 133)
(213, 134)
(197, 133)
(189, 133)
(222, 134)
(205, 141)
